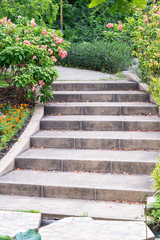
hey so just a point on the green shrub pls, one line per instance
(155, 89)
(156, 176)
(108, 57)
(154, 214)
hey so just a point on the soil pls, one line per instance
(9, 94)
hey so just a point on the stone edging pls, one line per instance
(142, 86)
(7, 163)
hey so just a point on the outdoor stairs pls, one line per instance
(97, 145)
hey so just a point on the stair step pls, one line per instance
(59, 208)
(96, 140)
(101, 123)
(90, 186)
(101, 108)
(94, 85)
(100, 96)
(87, 160)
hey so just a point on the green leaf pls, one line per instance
(5, 237)
(139, 3)
(95, 3)
(29, 235)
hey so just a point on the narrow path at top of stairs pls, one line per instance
(97, 145)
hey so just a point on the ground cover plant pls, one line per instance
(105, 56)
(153, 214)
(29, 52)
(11, 121)
(28, 235)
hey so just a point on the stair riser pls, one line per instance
(100, 126)
(94, 86)
(85, 165)
(100, 98)
(73, 192)
(90, 143)
(101, 110)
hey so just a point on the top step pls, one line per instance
(94, 85)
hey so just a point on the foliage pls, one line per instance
(11, 121)
(29, 52)
(120, 5)
(43, 11)
(142, 31)
(155, 89)
(154, 214)
(104, 56)
(28, 235)
(81, 24)
(156, 175)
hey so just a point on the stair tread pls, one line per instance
(101, 104)
(57, 207)
(101, 118)
(93, 81)
(81, 180)
(91, 155)
(98, 134)
(99, 92)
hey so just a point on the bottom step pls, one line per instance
(59, 208)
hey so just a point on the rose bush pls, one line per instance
(142, 31)
(29, 52)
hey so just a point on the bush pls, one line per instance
(156, 176)
(29, 52)
(143, 31)
(155, 89)
(103, 56)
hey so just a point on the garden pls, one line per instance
(96, 35)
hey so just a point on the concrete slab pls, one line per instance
(12, 223)
(59, 208)
(86, 228)
(82, 75)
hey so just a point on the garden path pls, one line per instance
(98, 143)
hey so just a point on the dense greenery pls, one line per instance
(154, 214)
(100, 55)
(43, 11)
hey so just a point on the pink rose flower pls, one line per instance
(59, 48)
(41, 82)
(33, 22)
(150, 18)
(36, 47)
(53, 44)
(110, 25)
(54, 59)
(59, 40)
(9, 21)
(146, 21)
(44, 32)
(104, 31)
(43, 47)
(5, 19)
(119, 22)
(49, 50)
(34, 57)
(120, 27)
(27, 42)
(17, 39)
(1, 21)
(158, 12)
(54, 35)
(63, 54)
(33, 89)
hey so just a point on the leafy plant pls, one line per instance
(155, 89)
(156, 175)
(29, 52)
(154, 214)
(11, 121)
(28, 235)
(104, 56)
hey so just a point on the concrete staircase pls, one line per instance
(98, 141)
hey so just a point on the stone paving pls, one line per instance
(84, 228)
(12, 223)
(81, 74)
